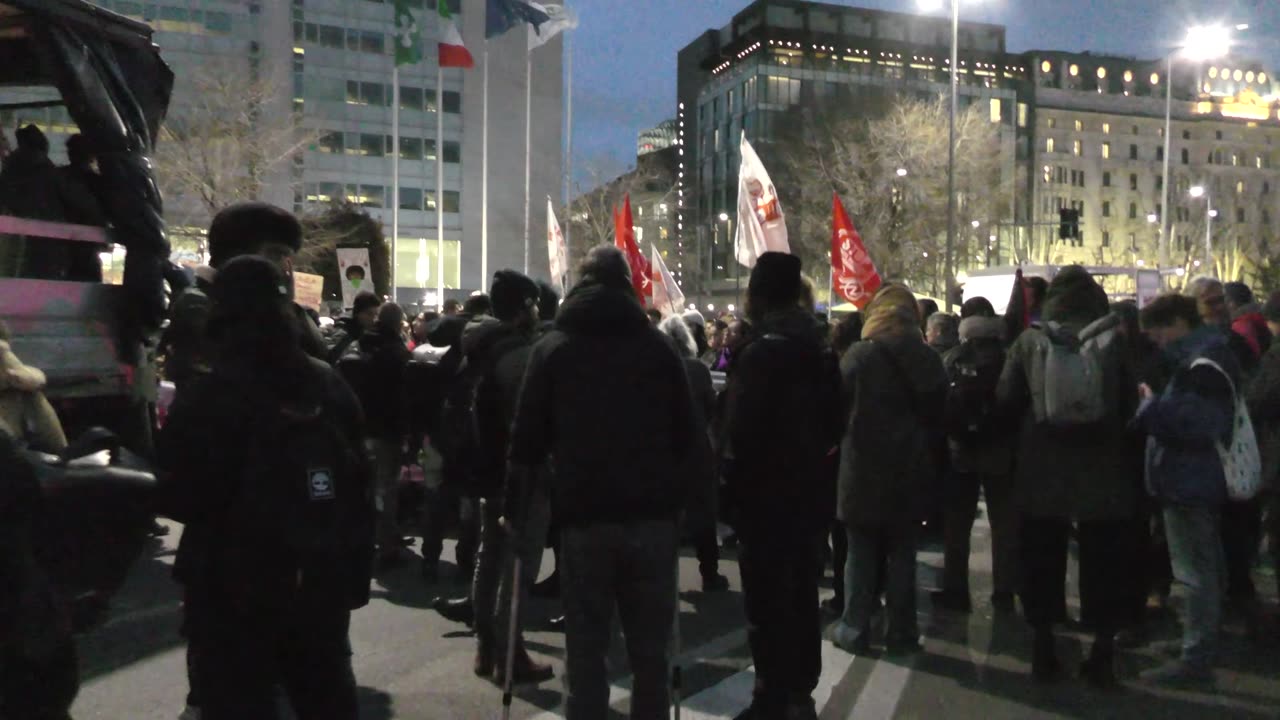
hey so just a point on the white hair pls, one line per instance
(676, 328)
(1198, 285)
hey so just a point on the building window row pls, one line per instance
(377, 145)
(339, 38)
(360, 92)
(167, 18)
(377, 196)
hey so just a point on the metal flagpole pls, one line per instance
(484, 178)
(440, 187)
(528, 150)
(395, 176)
(568, 171)
(831, 291)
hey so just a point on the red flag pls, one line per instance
(854, 276)
(624, 236)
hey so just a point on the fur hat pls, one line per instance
(246, 227)
(512, 292)
(775, 278)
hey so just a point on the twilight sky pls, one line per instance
(624, 52)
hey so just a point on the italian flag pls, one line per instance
(452, 52)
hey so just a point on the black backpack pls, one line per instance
(973, 370)
(299, 530)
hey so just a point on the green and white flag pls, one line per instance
(408, 35)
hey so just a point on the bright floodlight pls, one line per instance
(1242, 27)
(976, 224)
(1197, 191)
(724, 217)
(902, 172)
(1152, 217)
(730, 308)
(1207, 42)
(929, 5)
(1213, 213)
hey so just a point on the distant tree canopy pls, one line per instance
(343, 224)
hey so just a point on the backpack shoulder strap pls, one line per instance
(1206, 362)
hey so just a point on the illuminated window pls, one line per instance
(1022, 115)
(1102, 73)
(1155, 78)
(1051, 123)
(1075, 148)
(1239, 187)
(1106, 153)
(1046, 66)
(1048, 174)
(1074, 70)
(1079, 126)
(995, 110)
(1048, 145)
(1128, 76)
(1106, 128)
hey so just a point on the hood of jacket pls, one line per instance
(1074, 298)
(982, 328)
(597, 310)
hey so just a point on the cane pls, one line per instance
(512, 630)
(677, 681)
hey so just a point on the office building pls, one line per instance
(334, 61)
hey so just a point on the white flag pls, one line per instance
(561, 19)
(556, 250)
(761, 225)
(667, 296)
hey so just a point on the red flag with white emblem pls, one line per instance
(854, 275)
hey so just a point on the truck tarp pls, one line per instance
(117, 89)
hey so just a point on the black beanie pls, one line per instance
(775, 278)
(247, 286)
(511, 292)
(364, 300)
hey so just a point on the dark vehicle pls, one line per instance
(92, 340)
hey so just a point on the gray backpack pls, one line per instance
(1072, 390)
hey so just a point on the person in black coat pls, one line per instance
(782, 425)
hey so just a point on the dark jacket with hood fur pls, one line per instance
(606, 398)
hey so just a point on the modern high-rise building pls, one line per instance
(333, 60)
(657, 138)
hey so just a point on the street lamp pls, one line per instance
(902, 172)
(929, 6)
(1199, 191)
(1205, 42)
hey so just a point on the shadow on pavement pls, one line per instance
(374, 704)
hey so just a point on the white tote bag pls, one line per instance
(1241, 461)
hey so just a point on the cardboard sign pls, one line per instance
(308, 290)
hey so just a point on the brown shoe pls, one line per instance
(524, 670)
(484, 664)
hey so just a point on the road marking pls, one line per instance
(732, 695)
(880, 696)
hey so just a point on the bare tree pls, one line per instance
(591, 211)
(886, 157)
(232, 136)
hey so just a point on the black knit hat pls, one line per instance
(244, 228)
(775, 278)
(511, 292)
(248, 285)
(364, 300)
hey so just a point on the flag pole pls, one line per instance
(528, 150)
(440, 186)
(395, 175)
(568, 171)
(831, 290)
(484, 177)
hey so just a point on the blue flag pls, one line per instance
(502, 15)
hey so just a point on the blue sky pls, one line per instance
(624, 52)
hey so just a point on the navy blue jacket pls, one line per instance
(1185, 423)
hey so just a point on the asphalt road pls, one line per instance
(411, 663)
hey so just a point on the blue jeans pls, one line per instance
(631, 566)
(862, 591)
(1195, 551)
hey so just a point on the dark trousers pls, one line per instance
(1241, 535)
(780, 574)
(1106, 566)
(245, 658)
(706, 546)
(839, 558)
(959, 514)
(445, 510)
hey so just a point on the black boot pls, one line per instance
(1099, 670)
(455, 609)
(1044, 658)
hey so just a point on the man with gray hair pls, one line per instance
(1241, 521)
(606, 400)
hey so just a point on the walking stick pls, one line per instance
(677, 681)
(512, 632)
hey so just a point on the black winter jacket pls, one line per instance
(606, 398)
(382, 384)
(782, 423)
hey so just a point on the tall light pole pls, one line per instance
(1209, 215)
(948, 260)
(1203, 43)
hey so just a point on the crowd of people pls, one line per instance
(594, 428)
